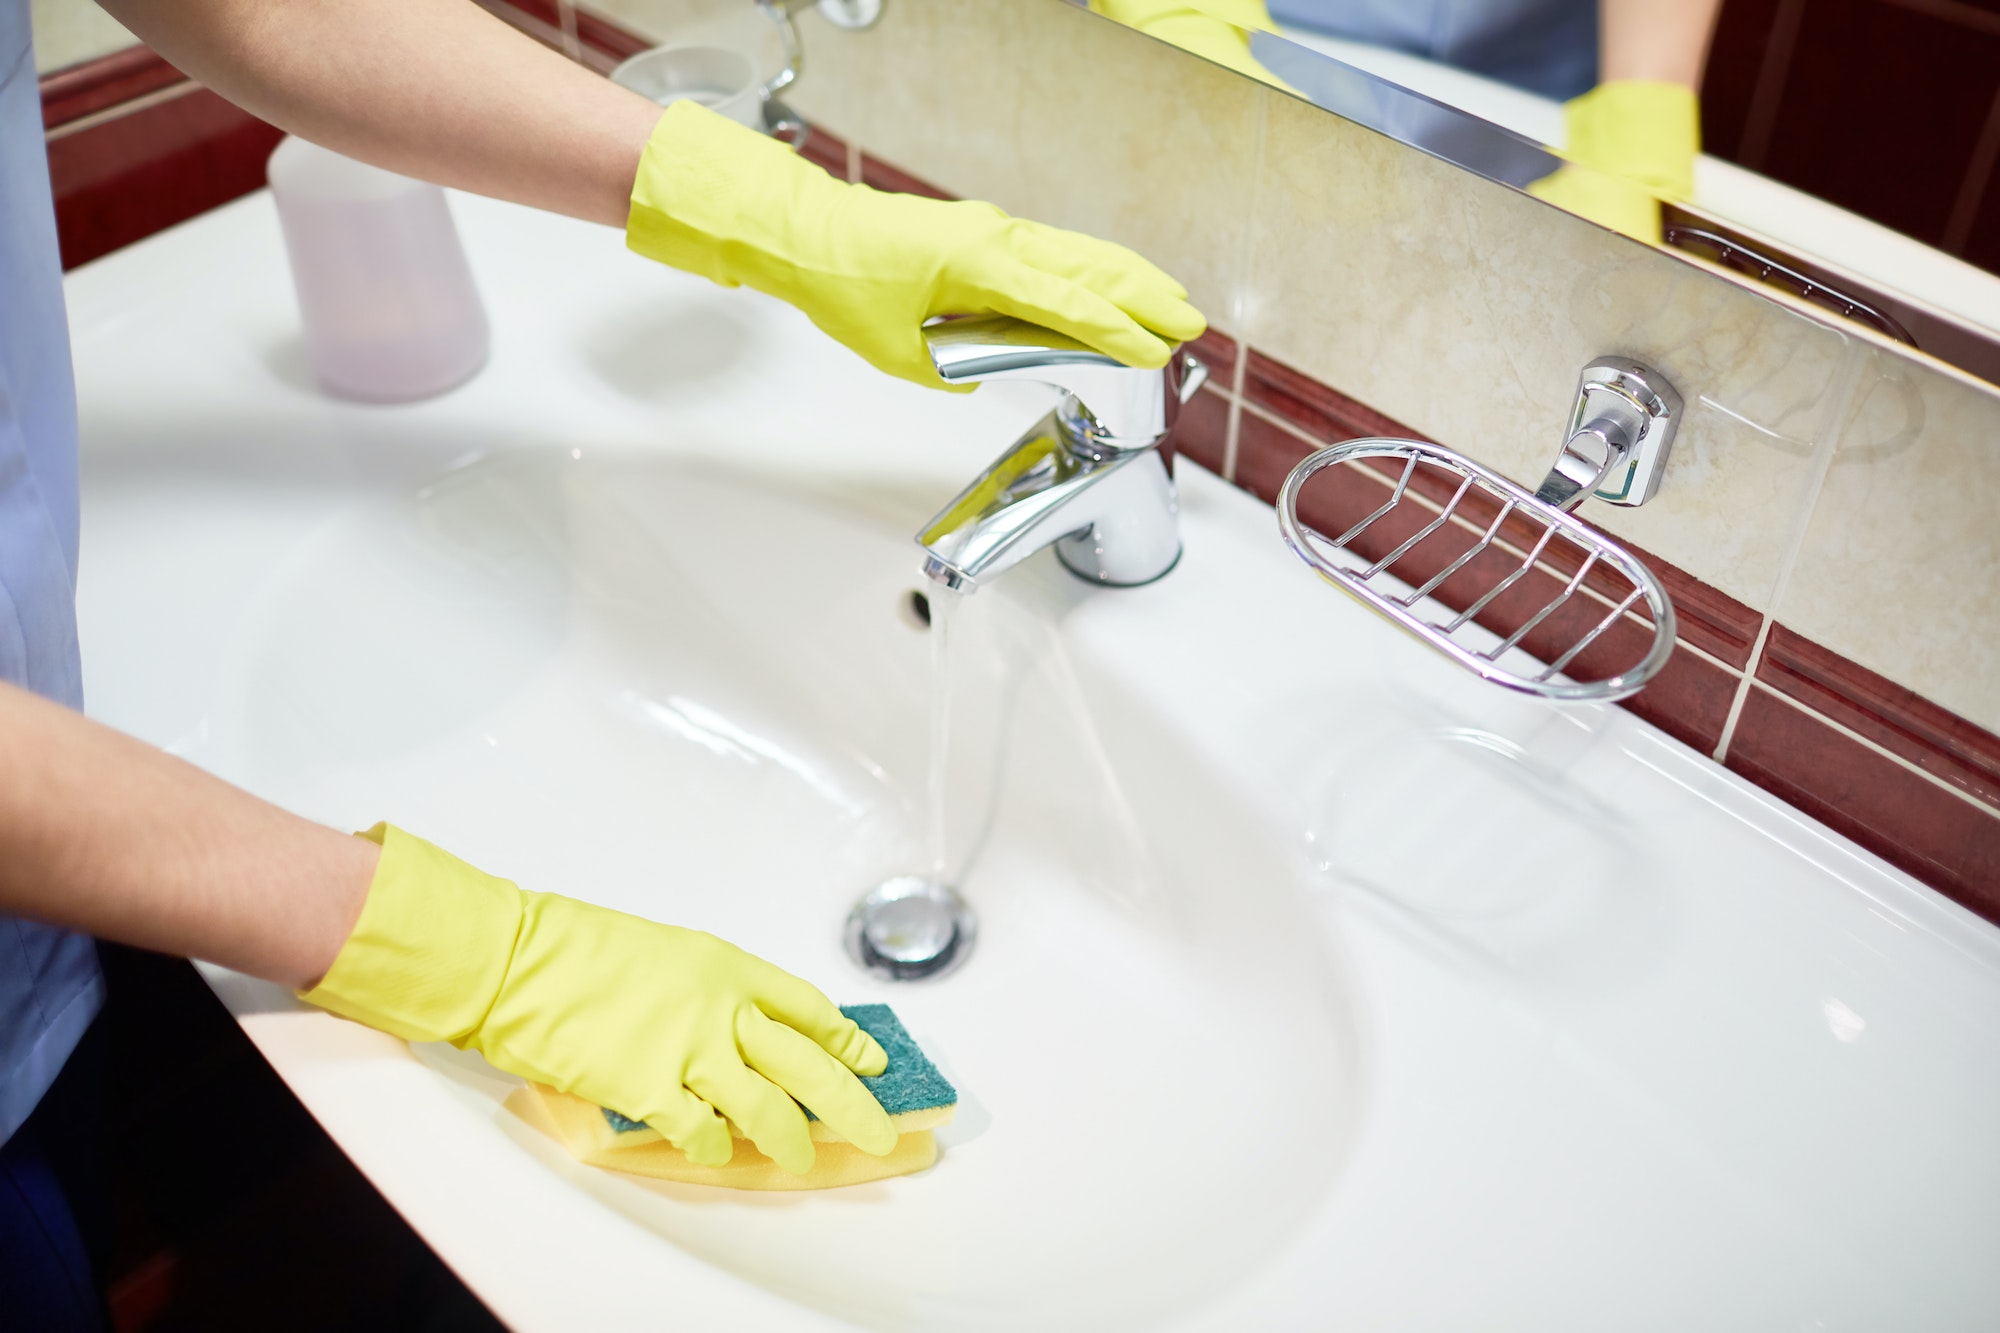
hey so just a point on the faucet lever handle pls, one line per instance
(1111, 407)
(1620, 432)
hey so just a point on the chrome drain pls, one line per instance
(909, 928)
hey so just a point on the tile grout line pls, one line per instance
(1232, 429)
(1742, 692)
(1246, 264)
(119, 110)
(1901, 761)
(1832, 425)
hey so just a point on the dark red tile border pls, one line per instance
(127, 177)
(1689, 700)
(879, 174)
(1949, 843)
(1322, 412)
(1217, 350)
(1201, 434)
(603, 45)
(827, 152)
(1709, 618)
(96, 85)
(1937, 741)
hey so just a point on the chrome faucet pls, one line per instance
(1088, 478)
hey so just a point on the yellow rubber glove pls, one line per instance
(1217, 30)
(669, 1026)
(1632, 143)
(868, 267)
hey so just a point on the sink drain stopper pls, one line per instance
(910, 927)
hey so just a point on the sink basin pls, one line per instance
(1316, 986)
(685, 694)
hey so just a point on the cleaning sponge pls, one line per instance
(917, 1097)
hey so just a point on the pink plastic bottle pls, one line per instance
(387, 298)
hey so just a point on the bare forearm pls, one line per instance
(1663, 40)
(104, 834)
(437, 89)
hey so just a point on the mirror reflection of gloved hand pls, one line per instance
(669, 1026)
(1632, 143)
(1217, 30)
(870, 267)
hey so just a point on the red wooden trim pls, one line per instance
(85, 89)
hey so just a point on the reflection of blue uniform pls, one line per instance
(1545, 46)
(49, 987)
(49, 984)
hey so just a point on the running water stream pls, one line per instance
(944, 608)
(916, 925)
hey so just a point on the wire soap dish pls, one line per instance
(1442, 554)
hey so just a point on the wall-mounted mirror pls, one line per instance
(1843, 152)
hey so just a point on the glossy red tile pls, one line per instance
(1216, 350)
(602, 44)
(95, 85)
(1937, 741)
(1201, 433)
(876, 172)
(1320, 411)
(1265, 454)
(125, 178)
(826, 151)
(1689, 700)
(1947, 841)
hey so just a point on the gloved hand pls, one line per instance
(1632, 143)
(669, 1026)
(1217, 30)
(869, 268)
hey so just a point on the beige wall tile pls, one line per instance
(1900, 568)
(68, 32)
(1466, 310)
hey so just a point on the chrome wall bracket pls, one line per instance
(1620, 432)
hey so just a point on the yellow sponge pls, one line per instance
(912, 1090)
(836, 1162)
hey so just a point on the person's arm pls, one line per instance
(441, 90)
(437, 89)
(103, 834)
(1658, 41)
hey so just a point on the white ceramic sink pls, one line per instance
(1316, 986)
